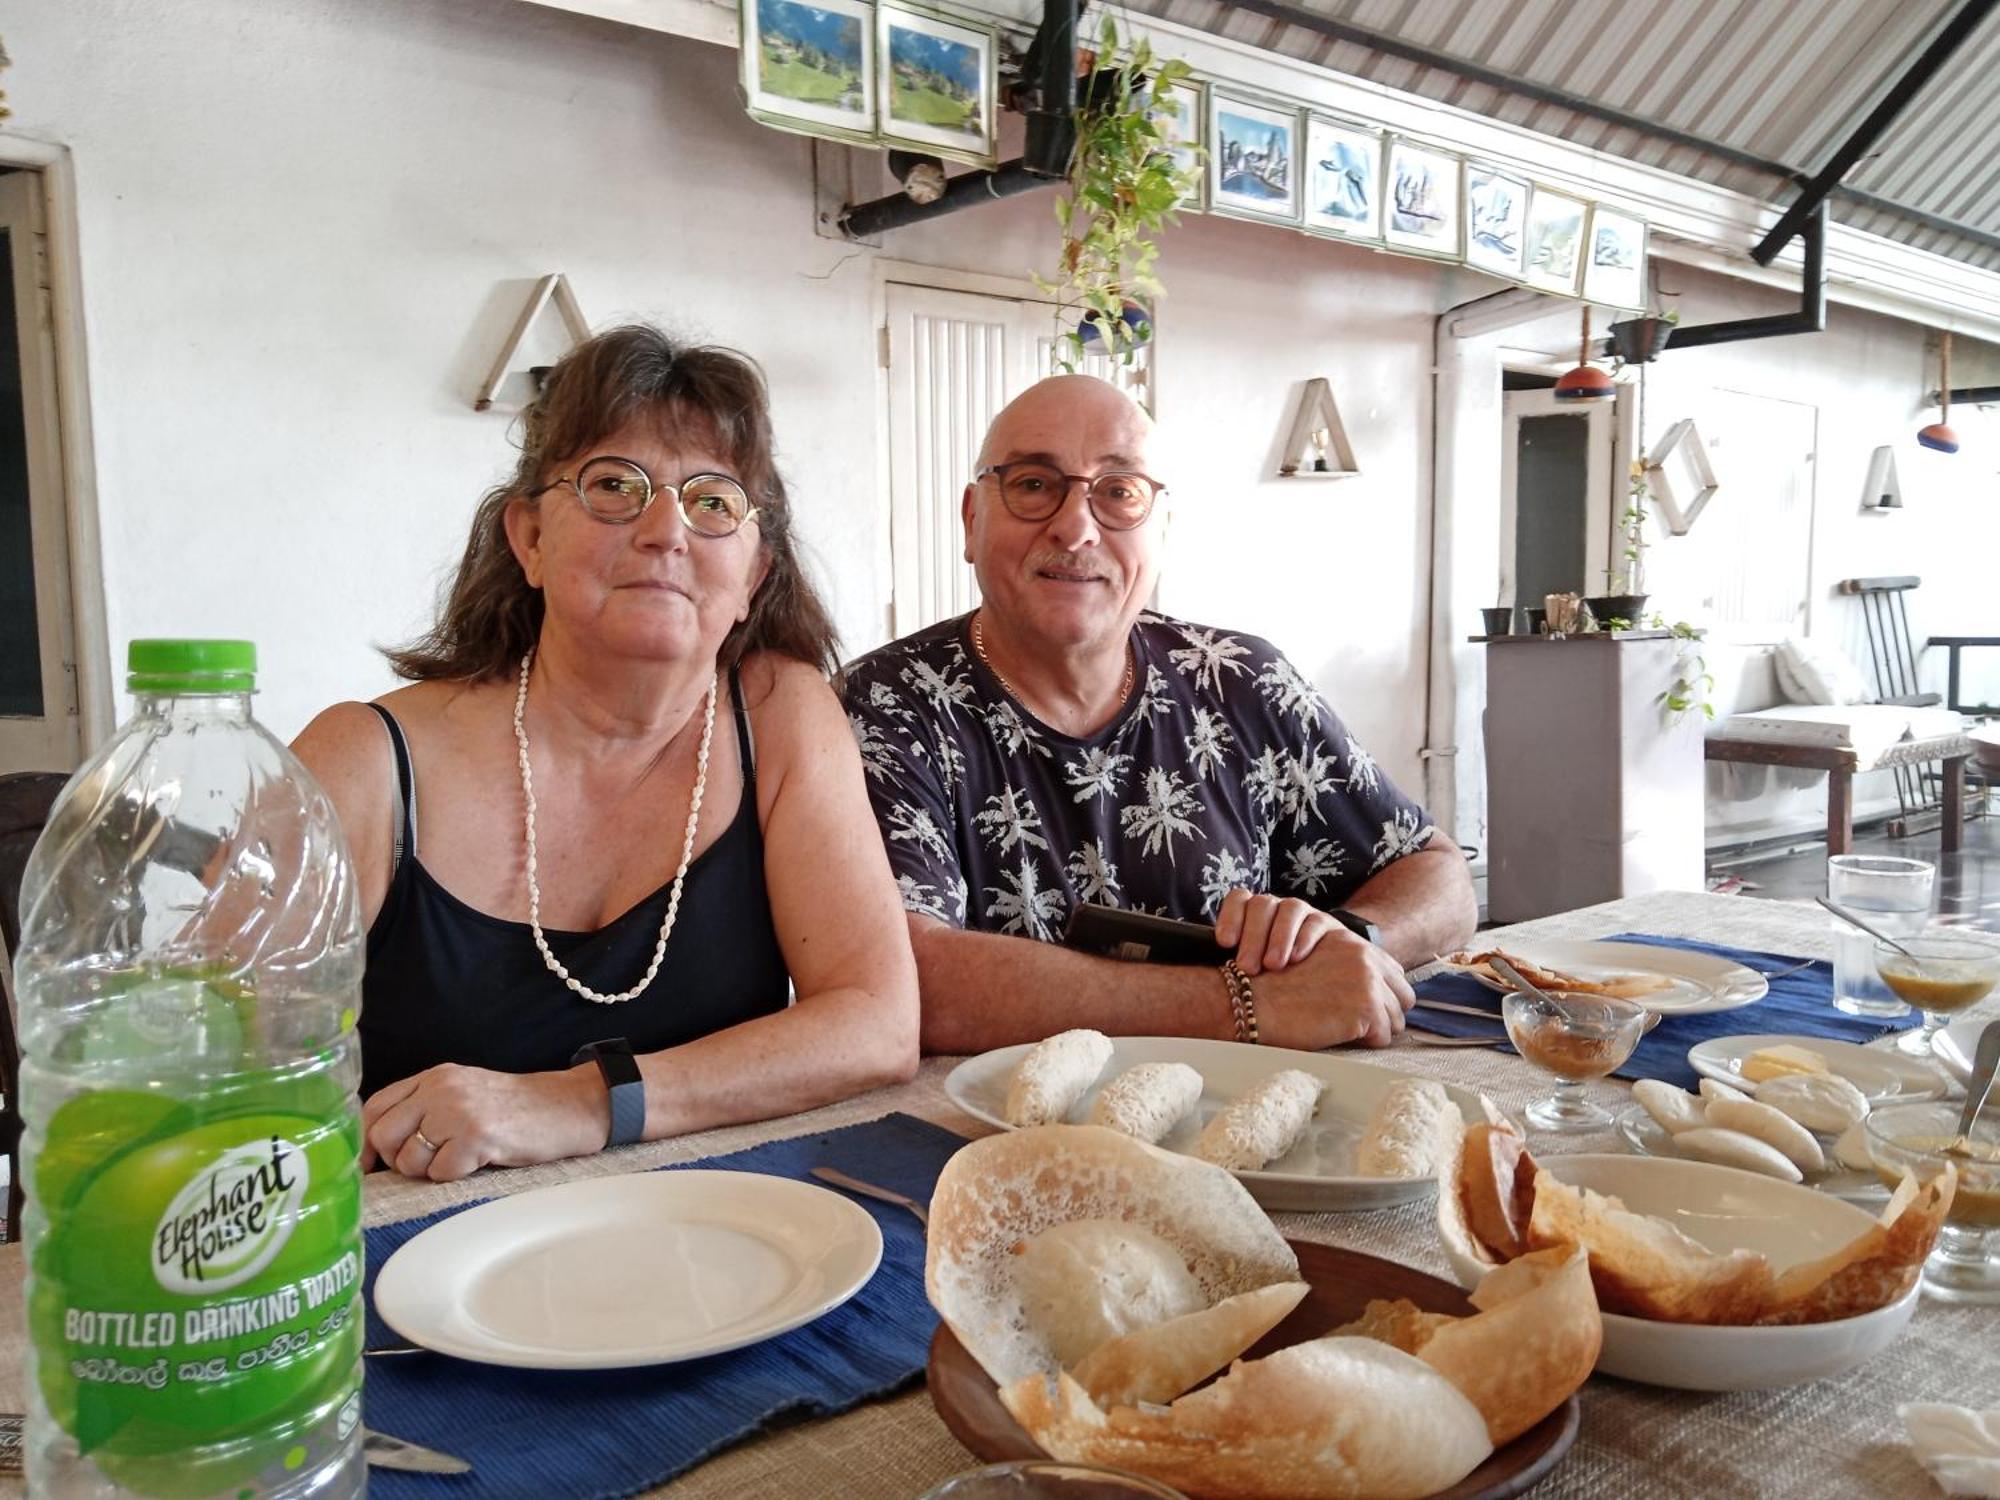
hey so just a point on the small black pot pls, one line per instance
(1499, 620)
(1627, 607)
(1537, 620)
(1638, 341)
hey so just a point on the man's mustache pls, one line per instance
(1069, 562)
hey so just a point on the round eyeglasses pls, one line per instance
(1034, 491)
(619, 491)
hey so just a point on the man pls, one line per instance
(1061, 745)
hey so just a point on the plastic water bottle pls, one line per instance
(189, 980)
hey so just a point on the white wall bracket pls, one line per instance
(1318, 447)
(1884, 490)
(1680, 477)
(554, 285)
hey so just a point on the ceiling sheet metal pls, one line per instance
(1785, 80)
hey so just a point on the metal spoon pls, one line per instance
(869, 1190)
(1853, 921)
(1514, 976)
(1985, 1059)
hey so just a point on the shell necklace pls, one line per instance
(979, 649)
(680, 875)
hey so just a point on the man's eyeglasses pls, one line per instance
(1034, 491)
(619, 491)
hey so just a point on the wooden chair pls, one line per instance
(25, 800)
(1885, 612)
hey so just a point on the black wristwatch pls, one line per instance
(622, 1085)
(1360, 926)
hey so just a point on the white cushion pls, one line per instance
(1815, 672)
(1871, 730)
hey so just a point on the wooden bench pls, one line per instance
(1842, 763)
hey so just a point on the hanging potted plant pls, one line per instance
(1638, 341)
(1124, 185)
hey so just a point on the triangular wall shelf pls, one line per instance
(1884, 490)
(554, 285)
(1327, 455)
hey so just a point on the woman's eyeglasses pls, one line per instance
(619, 491)
(1034, 491)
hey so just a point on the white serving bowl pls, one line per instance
(1727, 1209)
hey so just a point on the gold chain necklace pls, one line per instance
(979, 649)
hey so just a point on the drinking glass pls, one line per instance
(1943, 973)
(1576, 1037)
(1965, 1266)
(1893, 895)
(1034, 1477)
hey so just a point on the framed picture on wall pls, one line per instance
(810, 68)
(1554, 241)
(1343, 179)
(1253, 153)
(935, 84)
(1177, 111)
(1420, 207)
(1496, 221)
(1614, 273)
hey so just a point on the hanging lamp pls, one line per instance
(1939, 434)
(1586, 382)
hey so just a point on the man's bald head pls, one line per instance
(1071, 419)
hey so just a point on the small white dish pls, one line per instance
(1881, 1073)
(1697, 982)
(1648, 1137)
(1953, 1047)
(1726, 1209)
(1315, 1175)
(644, 1269)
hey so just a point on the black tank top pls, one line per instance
(448, 983)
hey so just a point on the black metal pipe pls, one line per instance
(1970, 395)
(1050, 104)
(860, 220)
(1541, 93)
(1947, 41)
(1810, 318)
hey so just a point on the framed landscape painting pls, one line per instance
(1343, 176)
(1614, 273)
(1554, 242)
(1253, 153)
(1496, 221)
(936, 85)
(811, 68)
(1420, 206)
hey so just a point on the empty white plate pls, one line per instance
(636, 1270)
(1696, 982)
(1880, 1073)
(1318, 1173)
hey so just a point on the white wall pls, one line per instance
(306, 229)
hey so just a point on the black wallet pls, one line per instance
(1136, 937)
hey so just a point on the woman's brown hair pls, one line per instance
(491, 615)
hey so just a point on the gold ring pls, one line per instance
(426, 1142)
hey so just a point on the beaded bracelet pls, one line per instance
(1242, 1002)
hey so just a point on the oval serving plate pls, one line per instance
(1316, 1175)
(1881, 1073)
(1342, 1284)
(1697, 983)
(1648, 1137)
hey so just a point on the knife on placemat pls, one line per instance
(385, 1452)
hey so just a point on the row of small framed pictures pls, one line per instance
(885, 74)
(1373, 186)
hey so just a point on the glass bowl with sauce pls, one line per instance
(1942, 974)
(1576, 1037)
(1965, 1267)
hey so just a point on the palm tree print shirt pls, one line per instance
(1224, 768)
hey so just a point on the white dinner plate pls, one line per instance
(1881, 1073)
(1316, 1174)
(1697, 982)
(1648, 1137)
(1954, 1046)
(642, 1269)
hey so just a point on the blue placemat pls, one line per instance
(1799, 1004)
(538, 1435)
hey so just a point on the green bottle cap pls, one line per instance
(189, 668)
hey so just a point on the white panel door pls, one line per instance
(956, 358)
(1557, 497)
(39, 723)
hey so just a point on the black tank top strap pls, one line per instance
(406, 793)
(746, 752)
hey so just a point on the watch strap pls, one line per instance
(1357, 924)
(624, 1087)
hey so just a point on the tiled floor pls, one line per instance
(1968, 887)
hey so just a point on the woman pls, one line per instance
(619, 801)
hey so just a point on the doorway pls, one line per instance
(1556, 495)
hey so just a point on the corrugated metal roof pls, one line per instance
(1786, 81)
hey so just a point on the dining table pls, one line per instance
(1831, 1438)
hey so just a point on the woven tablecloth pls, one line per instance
(1831, 1439)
